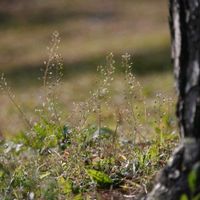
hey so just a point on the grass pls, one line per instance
(128, 26)
(92, 135)
(110, 144)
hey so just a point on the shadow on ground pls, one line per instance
(147, 62)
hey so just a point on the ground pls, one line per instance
(88, 35)
(89, 32)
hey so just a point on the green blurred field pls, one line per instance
(89, 30)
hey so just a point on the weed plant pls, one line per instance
(78, 156)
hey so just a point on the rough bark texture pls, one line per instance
(173, 180)
(185, 33)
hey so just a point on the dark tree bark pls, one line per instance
(173, 180)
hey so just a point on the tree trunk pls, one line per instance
(182, 174)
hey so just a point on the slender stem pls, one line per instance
(29, 125)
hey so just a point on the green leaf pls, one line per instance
(78, 197)
(65, 185)
(44, 175)
(99, 177)
(197, 197)
(184, 197)
(1, 174)
(153, 152)
(50, 141)
(158, 130)
(192, 180)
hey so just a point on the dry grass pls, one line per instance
(139, 120)
(118, 137)
(87, 30)
(75, 91)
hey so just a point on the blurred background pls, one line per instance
(89, 30)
